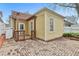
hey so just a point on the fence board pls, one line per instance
(71, 29)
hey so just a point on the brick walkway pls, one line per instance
(59, 47)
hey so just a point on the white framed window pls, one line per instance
(31, 26)
(51, 24)
(21, 26)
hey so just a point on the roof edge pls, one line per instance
(45, 8)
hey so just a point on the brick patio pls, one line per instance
(59, 47)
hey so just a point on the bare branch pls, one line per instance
(70, 5)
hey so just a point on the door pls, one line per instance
(21, 32)
(21, 26)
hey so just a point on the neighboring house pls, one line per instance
(71, 24)
(2, 25)
(70, 20)
(46, 24)
(67, 24)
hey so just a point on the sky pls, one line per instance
(6, 9)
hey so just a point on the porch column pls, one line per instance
(35, 27)
(14, 24)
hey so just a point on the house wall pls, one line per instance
(11, 22)
(17, 24)
(2, 28)
(29, 26)
(40, 25)
(22, 21)
(58, 26)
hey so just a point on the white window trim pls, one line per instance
(32, 26)
(53, 24)
(23, 25)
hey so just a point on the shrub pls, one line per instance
(67, 34)
(71, 34)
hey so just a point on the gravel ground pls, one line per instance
(59, 47)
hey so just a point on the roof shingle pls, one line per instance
(19, 15)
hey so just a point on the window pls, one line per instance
(31, 26)
(51, 24)
(21, 27)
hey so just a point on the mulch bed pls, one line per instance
(73, 38)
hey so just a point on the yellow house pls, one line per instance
(45, 24)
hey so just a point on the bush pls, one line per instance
(67, 35)
(70, 34)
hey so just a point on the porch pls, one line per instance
(21, 33)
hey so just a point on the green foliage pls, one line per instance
(67, 35)
(70, 34)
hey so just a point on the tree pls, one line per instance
(71, 9)
(70, 5)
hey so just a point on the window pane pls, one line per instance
(51, 24)
(21, 27)
(31, 26)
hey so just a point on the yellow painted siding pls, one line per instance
(58, 26)
(25, 22)
(29, 25)
(40, 25)
(26, 27)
